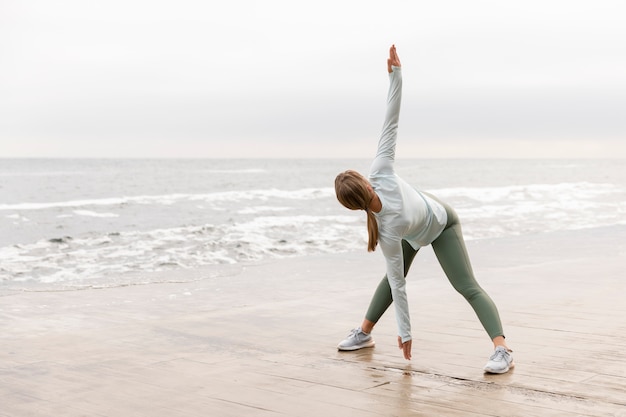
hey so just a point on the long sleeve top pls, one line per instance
(406, 213)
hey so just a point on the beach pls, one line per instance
(175, 240)
(261, 341)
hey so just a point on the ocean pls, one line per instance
(70, 224)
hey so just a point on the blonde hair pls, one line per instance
(353, 192)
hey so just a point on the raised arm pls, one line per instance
(385, 155)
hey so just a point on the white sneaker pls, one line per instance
(500, 362)
(357, 339)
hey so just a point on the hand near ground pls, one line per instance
(406, 348)
(393, 58)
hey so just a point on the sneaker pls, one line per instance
(500, 362)
(357, 339)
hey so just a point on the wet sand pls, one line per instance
(261, 342)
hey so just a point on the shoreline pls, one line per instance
(182, 275)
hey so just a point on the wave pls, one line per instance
(560, 191)
(570, 191)
(90, 213)
(234, 171)
(260, 224)
(168, 199)
(75, 259)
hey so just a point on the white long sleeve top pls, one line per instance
(406, 213)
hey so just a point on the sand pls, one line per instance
(261, 342)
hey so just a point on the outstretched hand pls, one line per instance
(405, 347)
(393, 60)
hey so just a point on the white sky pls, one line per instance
(245, 78)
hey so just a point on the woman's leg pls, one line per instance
(382, 297)
(452, 255)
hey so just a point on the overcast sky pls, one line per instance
(246, 78)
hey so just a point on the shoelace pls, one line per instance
(354, 333)
(498, 355)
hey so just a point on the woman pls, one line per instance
(403, 219)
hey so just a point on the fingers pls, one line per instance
(396, 58)
(405, 347)
(393, 60)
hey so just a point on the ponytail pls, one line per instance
(354, 192)
(372, 231)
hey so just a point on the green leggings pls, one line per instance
(452, 255)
